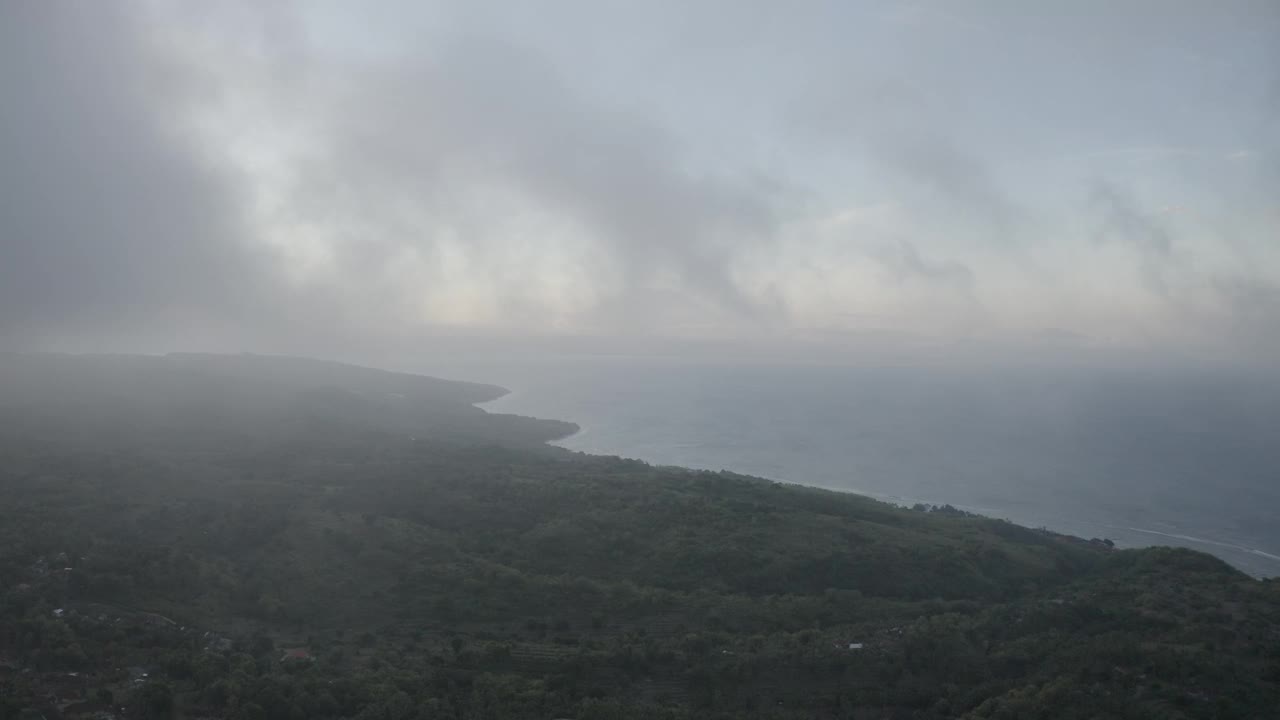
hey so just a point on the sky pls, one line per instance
(820, 178)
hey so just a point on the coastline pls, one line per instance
(1122, 535)
(570, 428)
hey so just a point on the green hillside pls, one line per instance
(194, 517)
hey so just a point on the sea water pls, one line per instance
(1169, 457)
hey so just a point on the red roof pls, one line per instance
(296, 654)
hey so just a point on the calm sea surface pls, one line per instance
(1141, 457)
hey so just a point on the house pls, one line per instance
(301, 654)
(855, 646)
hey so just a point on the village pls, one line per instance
(136, 642)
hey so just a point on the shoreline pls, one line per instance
(550, 441)
(1191, 541)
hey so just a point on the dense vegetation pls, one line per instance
(198, 536)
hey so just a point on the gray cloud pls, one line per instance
(413, 140)
(111, 220)
(905, 262)
(266, 175)
(1122, 220)
(959, 180)
(1253, 311)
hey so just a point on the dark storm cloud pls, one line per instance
(110, 219)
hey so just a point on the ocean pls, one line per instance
(1142, 457)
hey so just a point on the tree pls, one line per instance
(152, 701)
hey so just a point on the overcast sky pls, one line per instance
(301, 176)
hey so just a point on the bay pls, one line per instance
(1139, 456)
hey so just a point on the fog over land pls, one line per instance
(725, 177)
(618, 360)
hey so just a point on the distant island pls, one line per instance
(257, 537)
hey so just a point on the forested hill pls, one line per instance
(214, 399)
(249, 537)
